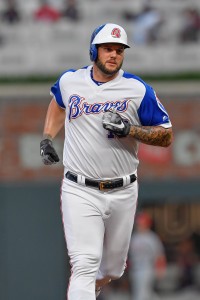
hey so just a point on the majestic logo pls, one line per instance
(116, 33)
(78, 106)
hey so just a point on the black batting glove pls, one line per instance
(113, 122)
(48, 153)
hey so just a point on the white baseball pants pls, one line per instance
(98, 227)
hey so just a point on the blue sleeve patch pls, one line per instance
(151, 111)
(55, 89)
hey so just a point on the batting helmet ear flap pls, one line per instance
(93, 52)
(93, 48)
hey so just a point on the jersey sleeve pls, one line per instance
(151, 112)
(56, 89)
(56, 93)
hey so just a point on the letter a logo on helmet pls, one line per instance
(107, 33)
(116, 33)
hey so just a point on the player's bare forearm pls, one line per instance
(152, 135)
(54, 121)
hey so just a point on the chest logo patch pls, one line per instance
(78, 106)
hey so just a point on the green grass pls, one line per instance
(172, 77)
(28, 79)
(40, 79)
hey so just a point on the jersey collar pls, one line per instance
(95, 81)
(104, 84)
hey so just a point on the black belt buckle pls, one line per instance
(103, 185)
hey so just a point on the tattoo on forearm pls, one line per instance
(152, 135)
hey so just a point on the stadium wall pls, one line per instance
(33, 255)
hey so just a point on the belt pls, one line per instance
(102, 184)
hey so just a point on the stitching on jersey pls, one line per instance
(77, 106)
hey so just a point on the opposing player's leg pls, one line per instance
(118, 233)
(84, 232)
(142, 281)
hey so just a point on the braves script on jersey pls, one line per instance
(85, 102)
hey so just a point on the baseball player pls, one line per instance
(147, 259)
(106, 113)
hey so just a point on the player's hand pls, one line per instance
(48, 153)
(113, 122)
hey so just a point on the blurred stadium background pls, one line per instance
(33, 52)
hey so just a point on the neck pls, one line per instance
(98, 75)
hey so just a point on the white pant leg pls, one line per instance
(118, 228)
(84, 232)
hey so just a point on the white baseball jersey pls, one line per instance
(85, 102)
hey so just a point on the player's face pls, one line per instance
(110, 58)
